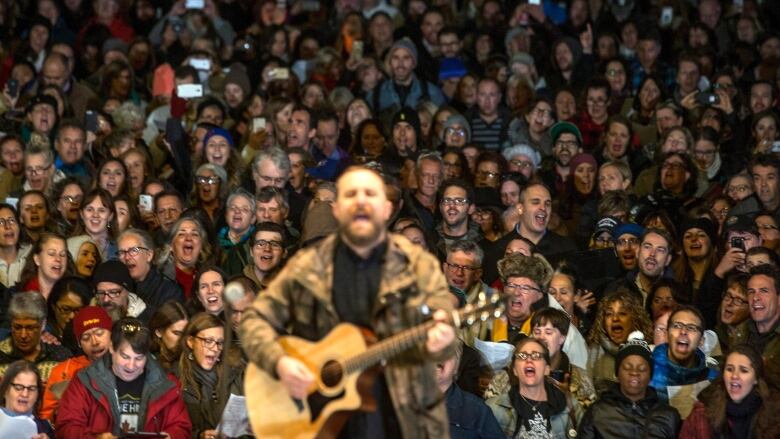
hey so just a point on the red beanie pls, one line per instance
(90, 317)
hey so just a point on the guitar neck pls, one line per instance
(388, 348)
(398, 343)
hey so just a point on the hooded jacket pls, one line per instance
(701, 422)
(90, 405)
(667, 373)
(616, 416)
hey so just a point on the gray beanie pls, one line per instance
(458, 119)
(404, 43)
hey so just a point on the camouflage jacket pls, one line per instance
(299, 302)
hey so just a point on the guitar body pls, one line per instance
(333, 396)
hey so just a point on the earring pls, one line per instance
(190, 357)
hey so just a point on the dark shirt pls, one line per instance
(355, 287)
(356, 283)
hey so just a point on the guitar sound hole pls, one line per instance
(332, 373)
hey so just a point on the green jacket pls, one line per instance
(299, 301)
(506, 416)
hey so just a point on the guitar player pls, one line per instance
(373, 279)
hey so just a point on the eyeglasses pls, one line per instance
(729, 298)
(524, 289)
(68, 309)
(132, 251)
(210, 343)
(262, 243)
(742, 188)
(207, 180)
(627, 242)
(36, 170)
(690, 327)
(673, 165)
(455, 131)
(21, 388)
(455, 201)
(112, 294)
(10, 221)
(567, 144)
(614, 72)
(521, 164)
(533, 355)
(72, 199)
(237, 209)
(462, 268)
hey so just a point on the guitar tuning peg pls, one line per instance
(495, 298)
(484, 316)
(498, 311)
(481, 298)
(470, 320)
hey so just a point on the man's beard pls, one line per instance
(115, 311)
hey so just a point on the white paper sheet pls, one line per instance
(17, 427)
(235, 419)
(496, 355)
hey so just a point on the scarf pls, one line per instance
(208, 392)
(740, 415)
(712, 171)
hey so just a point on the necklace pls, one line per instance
(533, 406)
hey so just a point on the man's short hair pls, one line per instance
(467, 246)
(767, 160)
(557, 318)
(69, 124)
(456, 182)
(269, 193)
(144, 236)
(686, 308)
(48, 155)
(28, 304)
(168, 193)
(431, 156)
(530, 185)
(313, 119)
(326, 115)
(277, 156)
(660, 232)
(268, 226)
(768, 271)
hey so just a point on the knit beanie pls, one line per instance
(90, 317)
(238, 76)
(458, 119)
(218, 132)
(635, 345)
(703, 224)
(404, 43)
(581, 158)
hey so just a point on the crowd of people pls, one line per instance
(609, 169)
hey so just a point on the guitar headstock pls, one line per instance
(485, 308)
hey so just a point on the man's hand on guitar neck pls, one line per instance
(440, 335)
(295, 376)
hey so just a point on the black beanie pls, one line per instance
(410, 116)
(705, 224)
(635, 345)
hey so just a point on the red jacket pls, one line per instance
(89, 407)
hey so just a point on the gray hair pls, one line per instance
(467, 246)
(47, 153)
(269, 193)
(241, 192)
(144, 236)
(127, 115)
(277, 156)
(29, 304)
(431, 156)
(219, 171)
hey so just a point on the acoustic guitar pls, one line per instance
(344, 365)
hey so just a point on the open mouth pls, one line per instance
(529, 371)
(97, 352)
(651, 263)
(617, 329)
(540, 219)
(683, 345)
(212, 300)
(735, 386)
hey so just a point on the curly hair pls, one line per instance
(533, 267)
(639, 319)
